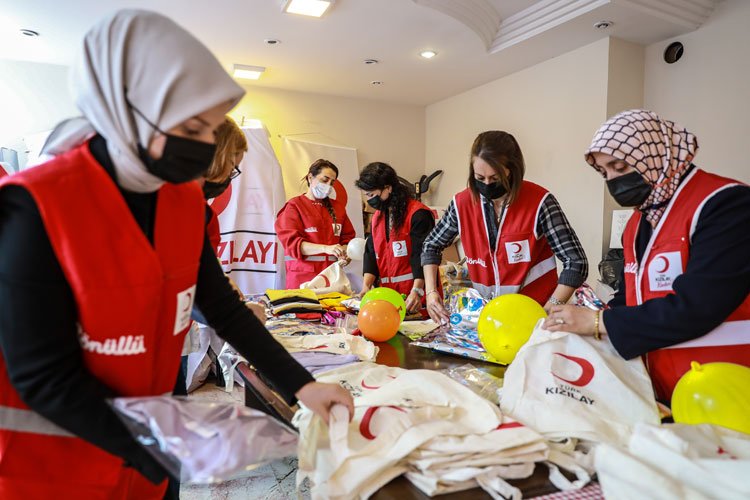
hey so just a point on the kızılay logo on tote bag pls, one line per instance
(569, 388)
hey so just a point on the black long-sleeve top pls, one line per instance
(39, 342)
(715, 282)
(422, 222)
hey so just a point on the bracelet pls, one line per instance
(597, 333)
(432, 291)
(554, 300)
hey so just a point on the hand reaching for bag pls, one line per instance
(321, 397)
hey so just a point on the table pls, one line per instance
(397, 352)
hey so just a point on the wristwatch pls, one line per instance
(420, 291)
(556, 301)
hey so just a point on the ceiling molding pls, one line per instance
(689, 13)
(478, 15)
(540, 17)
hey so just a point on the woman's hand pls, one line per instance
(321, 397)
(436, 309)
(338, 251)
(413, 302)
(362, 292)
(571, 319)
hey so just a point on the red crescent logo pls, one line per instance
(364, 425)
(666, 264)
(327, 281)
(221, 202)
(516, 247)
(399, 245)
(365, 386)
(189, 301)
(339, 193)
(587, 370)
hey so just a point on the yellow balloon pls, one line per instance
(506, 323)
(714, 393)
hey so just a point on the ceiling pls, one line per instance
(477, 41)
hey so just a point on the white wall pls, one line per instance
(708, 90)
(553, 110)
(380, 131)
(33, 97)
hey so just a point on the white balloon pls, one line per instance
(355, 250)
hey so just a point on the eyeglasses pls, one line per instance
(235, 173)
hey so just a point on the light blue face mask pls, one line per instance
(320, 190)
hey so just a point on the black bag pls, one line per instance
(611, 267)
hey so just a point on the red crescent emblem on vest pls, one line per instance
(666, 264)
(221, 202)
(587, 370)
(516, 247)
(364, 425)
(189, 301)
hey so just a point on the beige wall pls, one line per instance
(553, 110)
(708, 90)
(393, 133)
(33, 97)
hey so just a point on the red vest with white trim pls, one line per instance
(665, 258)
(394, 266)
(318, 228)
(134, 302)
(523, 261)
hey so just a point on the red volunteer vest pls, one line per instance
(318, 228)
(393, 255)
(665, 258)
(523, 261)
(134, 303)
(213, 229)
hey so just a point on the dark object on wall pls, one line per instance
(611, 267)
(422, 186)
(673, 52)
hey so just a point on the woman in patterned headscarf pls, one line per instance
(687, 253)
(103, 254)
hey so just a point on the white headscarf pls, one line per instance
(168, 74)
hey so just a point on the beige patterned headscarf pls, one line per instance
(660, 150)
(144, 59)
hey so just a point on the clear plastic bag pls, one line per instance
(203, 442)
(480, 382)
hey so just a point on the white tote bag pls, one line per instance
(689, 462)
(331, 279)
(566, 385)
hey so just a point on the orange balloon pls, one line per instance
(378, 320)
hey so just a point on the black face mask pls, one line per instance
(490, 191)
(629, 190)
(183, 159)
(214, 189)
(377, 203)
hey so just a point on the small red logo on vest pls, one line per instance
(666, 264)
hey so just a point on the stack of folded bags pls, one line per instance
(420, 423)
(293, 301)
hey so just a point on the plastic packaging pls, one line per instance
(456, 341)
(480, 382)
(464, 306)
(586, 297)
(203, 442)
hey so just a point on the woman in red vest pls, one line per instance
(231, 146)
(313, 228)
(687, 253)
(511, 231)
(399, 227)
(103, 252)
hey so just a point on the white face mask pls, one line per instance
(320, 190)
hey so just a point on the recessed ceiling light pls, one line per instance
(248, 72)
(312, 8)
(272, 41)
(376, 82)
(428, 54)
(31, 33)
(603, 25)
(370, 61)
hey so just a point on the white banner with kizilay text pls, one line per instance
(249, 251)
(299, 152)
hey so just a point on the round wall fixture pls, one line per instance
(272, 41)
(370, 61)
(603, 25)
(376, 82)
(673, 52)
(31, 33)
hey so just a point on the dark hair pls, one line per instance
(499, 149)
(319, 165)
(378, 175)
(316, 167)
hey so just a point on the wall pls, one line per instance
(393, 133)
(33, 97)
(707, 90)
(553, 110)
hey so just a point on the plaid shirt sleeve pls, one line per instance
(441, 236)
(553, 224)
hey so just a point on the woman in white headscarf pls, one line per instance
(686, 293)
(103, 253)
